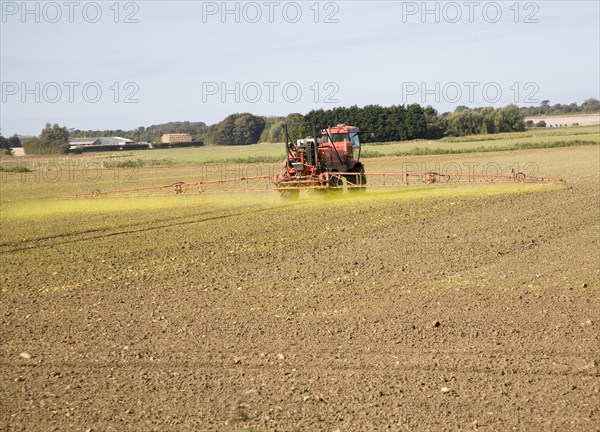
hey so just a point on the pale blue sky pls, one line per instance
(368, 54)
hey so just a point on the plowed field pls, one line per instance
(471, 307)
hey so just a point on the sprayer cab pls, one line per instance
(340, 148)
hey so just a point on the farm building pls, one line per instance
(112, 141)
(176, 138)
(100, 141)
(81, 142)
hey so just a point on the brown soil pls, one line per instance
(473, 313)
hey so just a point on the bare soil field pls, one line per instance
(459, 308)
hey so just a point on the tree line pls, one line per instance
(147, 134)
(379, 123)
(589, 106)
(392, 123)
(401, 123)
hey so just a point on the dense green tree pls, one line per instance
(297, 127)
(236, 129)
(37, 146)
(15, 141)
(273, 131)
(54, 133)
(510, 119)
(247, 129)
(416, 123)
(400, 123)
(464, 122)
(488, 115)
(318, 119)
(590, 105)
(5, 146)
(53, 139)
(436, 124)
